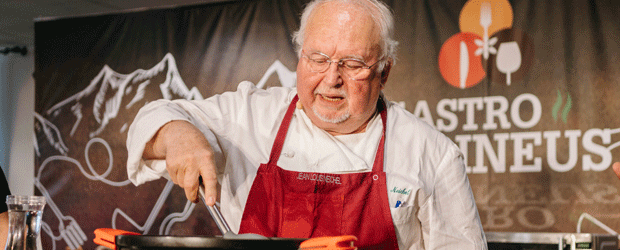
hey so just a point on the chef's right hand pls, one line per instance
(188, 156)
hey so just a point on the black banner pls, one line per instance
(529, 91)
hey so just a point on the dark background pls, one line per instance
(93, 74)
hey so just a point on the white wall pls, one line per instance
(17, 121)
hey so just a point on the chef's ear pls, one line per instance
(386, 72)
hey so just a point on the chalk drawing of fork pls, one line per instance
(69, 229)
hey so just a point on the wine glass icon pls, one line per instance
(508, 59)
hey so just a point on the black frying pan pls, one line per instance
(156, 242)
(230, 240)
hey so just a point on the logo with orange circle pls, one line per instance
(487, 47)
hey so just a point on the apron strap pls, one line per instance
(378, 164)
(276, 149)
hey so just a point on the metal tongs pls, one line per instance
(221, 222)
(215, 213)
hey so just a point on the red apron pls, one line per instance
(293, 204)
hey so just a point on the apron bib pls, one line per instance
(292, 204)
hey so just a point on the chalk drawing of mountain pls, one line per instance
(47, 132)
(287, 77)
(110, 92)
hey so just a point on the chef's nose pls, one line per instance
(333, 76)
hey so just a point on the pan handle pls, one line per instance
(215, 212)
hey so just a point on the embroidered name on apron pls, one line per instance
(319, 177)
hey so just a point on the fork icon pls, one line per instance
(486, 45)
(73, 235)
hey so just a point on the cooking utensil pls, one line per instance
(344, 242)
(214, 212)
(125, 240)
(156, 242)
(221, 222)
(121, 239)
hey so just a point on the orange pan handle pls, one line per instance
(344, 242)
(107, 236)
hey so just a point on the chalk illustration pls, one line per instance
(110, 94)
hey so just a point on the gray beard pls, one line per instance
(334, 120)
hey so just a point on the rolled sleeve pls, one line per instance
(224, 117)
(145, 125)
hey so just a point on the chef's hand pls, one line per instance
(616, 168)
(188, 157)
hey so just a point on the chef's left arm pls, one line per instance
(449, 217)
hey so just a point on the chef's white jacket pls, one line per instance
(429, 194)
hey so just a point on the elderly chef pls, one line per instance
(329, 157)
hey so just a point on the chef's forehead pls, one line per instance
(379, 11)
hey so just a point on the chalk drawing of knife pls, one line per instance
(463, 65)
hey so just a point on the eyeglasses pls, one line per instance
(353, 68)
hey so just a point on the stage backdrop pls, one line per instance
(529, 90)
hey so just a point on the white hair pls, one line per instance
(381, 14)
